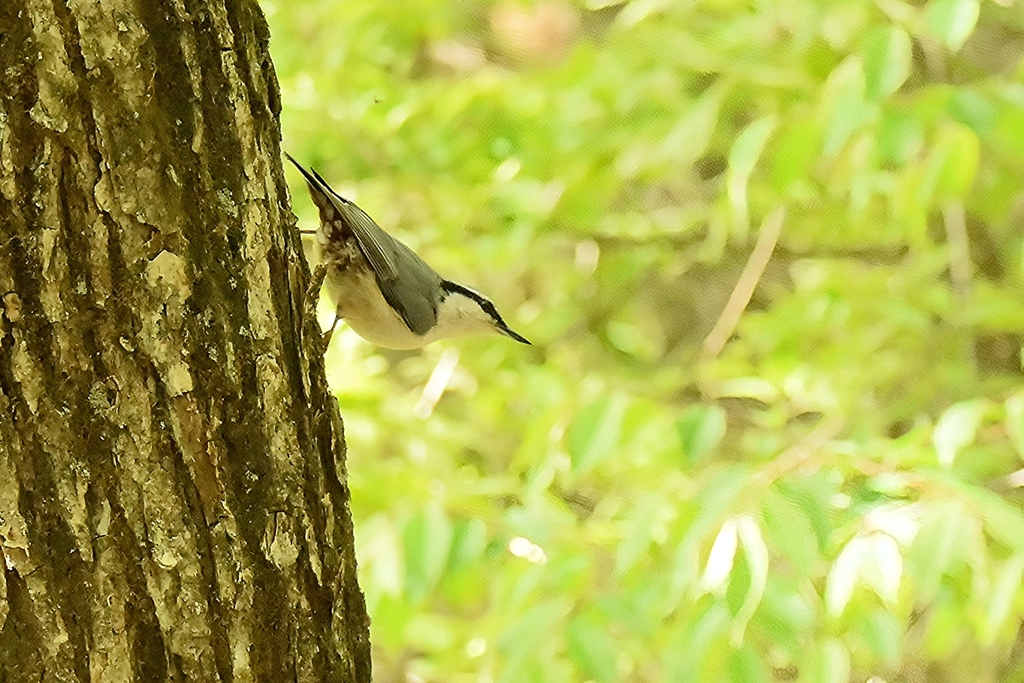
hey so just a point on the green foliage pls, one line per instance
(835, 494)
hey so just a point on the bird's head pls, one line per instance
(464, 311)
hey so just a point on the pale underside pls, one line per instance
(357, 299)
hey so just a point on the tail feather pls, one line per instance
(320, 192)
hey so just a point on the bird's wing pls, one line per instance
(413, 291)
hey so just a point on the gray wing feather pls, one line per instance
(414, 289)
(408, 284)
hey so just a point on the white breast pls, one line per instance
(358, 300)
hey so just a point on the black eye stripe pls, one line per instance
(450, 287)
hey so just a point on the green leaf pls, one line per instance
(694, 642)
(952, 166)
(701, 429)
(829, 663)
(637, 536)
(873, 560)
(1003, 599)
(949, 537)
(746, 665)
(592, 649)
(468, 544)
(720, 558)
(794, 153)
(887, 61)
(690, 138)
(883, 633)
(956, 428)
(743, 156)
(1003, 521)
(596, 432)
(756, 553)
(427, 540)
(790, 531)
(714, 503)
(953, 21)
(847, 110)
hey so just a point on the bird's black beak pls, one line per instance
(504, 329)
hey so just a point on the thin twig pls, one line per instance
(796, 455)
(771, 228)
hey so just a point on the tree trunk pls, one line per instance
(173, 502)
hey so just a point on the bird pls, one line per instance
(384, 291)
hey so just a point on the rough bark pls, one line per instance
(173, 502)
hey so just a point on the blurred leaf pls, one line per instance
(952, 166)
(953, 21)
(701, 429)
(756, 553)
(1003, 521)
(714, 504)
(887, 55)
(468, 544)
(745, 666)
(743, 156)
(596, 432)
(847, 109)
(592, 649)
(796, 150)
(789, 531)
(381, 554)
(956, 428)
(1003, 599)
(721, 558)
(638, 534)
(522, 640)
(427, 540)
(948, 537)
(693, 644)
(873, 560)
(882, 631)
(829, 663)
(689, 139)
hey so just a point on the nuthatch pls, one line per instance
(383, 289)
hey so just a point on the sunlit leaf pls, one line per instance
(955, 429)
(846, 107)
(720, 559)
(953, 20)
(1003, 599)
(952, 166)
(950, 535)
(714, 504)
(887, 54)
(756, 554)
(873, 560)
(743, 156)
